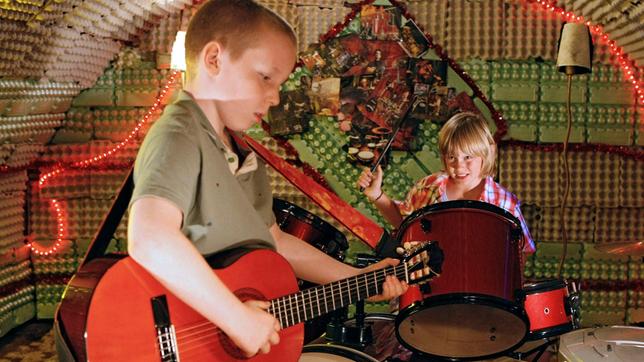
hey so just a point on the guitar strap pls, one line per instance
(361, 226)
(110, 223)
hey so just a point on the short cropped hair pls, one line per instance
(468, 133)
(236, 24)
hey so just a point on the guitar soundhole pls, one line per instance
(231, 349)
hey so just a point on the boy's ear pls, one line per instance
(211, 58)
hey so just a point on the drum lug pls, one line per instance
(426, 225)
(572, 304)
(515, 235)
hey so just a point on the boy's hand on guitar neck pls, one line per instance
(392, 287)
(255, 330)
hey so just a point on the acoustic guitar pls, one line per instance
(114, 310)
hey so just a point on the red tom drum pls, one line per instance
(317, 232)
(310, 228)
(550, 308)
(470, 311)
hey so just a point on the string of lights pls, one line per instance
(58, 206)
(629, 68)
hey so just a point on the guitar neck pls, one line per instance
(313, 302)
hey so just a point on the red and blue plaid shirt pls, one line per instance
(433, 189)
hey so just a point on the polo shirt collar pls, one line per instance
(250, 159)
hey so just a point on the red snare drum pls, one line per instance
(548, 307)
(470, 312)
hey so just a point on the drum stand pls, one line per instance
(540, 350)
(357, 335)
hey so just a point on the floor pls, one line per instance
(31, 342)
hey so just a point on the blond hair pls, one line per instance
(468, 133)
(236, 24)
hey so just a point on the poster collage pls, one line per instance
(368, 77)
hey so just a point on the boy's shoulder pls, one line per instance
(500, 190)
(434, 179)
(178, 116)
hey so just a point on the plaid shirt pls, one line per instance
(433, 189)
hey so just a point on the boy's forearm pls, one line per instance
(308, 262)
(186, 274)
(172, 259)
(388, 210)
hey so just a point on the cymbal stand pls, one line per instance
(541, 349)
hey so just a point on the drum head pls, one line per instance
(462, 327)
(541, 287)
(333, 353)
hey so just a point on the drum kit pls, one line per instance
(476, 309)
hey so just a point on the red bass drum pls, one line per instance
(470, 312)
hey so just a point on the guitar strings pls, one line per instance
(290, 305)
(204, 330)
(347, 288)
(206, 335)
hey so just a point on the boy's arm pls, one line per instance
(371, 183)
(155, 241)
(389, 210)
(308, 262)
(313, 265)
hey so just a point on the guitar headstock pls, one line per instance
(423, 262)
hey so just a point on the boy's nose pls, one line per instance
(274, 97)
(459, 164)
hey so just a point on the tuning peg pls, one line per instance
(425, 256)
(417, 274)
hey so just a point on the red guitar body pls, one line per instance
(106, 313)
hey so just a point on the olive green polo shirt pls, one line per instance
(182, 160)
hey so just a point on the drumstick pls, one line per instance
(391, 139)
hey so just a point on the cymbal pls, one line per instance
(633, 248)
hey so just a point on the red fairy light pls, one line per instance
(61, 220)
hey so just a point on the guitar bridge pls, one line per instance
(166, 336)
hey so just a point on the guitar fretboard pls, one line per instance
(313, 302)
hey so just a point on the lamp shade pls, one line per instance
(575, 49)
